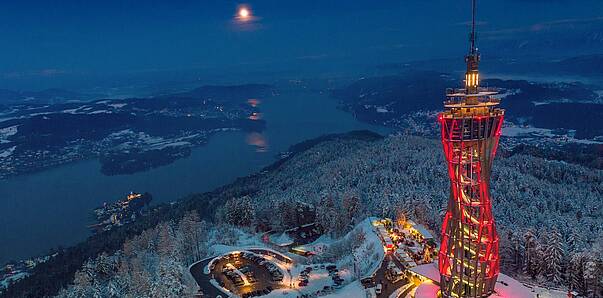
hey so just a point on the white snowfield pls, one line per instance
(352, 290)
(511, 130)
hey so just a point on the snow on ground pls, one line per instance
(121, 133)
(149, 140)
(7, 152)
(430, 271)
(516, 131)
(428, 289)
(117, 105)
(508, 287)
(545, 293)
(370, 254)
(352, 290)
(70, 111)
(169, 144)
(281, 240)
(529, 131)
(241, 240)
(100, 112)
(561, 100)
(8, 131)
(5, 282)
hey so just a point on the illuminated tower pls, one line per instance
(471, 125)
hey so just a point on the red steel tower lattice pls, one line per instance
(471, 126)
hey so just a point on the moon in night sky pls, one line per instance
(244, 13)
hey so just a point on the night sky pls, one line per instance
(47, 40)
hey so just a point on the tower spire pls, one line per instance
(472, 37)
(472, 59)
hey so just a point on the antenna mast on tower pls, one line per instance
(472, 37)
(472, 59)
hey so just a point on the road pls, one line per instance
(203, 279)
(388, 287)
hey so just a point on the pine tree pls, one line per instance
(530, 264)
(576, 274)
(141, 279)
(574, 241)
(240, 212)
(592, 276)
(554, 255)
(517, 252)
(169, 281)
(166, 247)
(325, 213)
(190, 237)
(351, 206)
(105, 266)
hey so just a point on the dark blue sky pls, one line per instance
(48, 39)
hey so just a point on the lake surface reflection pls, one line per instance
(52, 208)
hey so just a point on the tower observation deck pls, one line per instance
(471, 127)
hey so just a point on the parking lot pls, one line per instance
(247, 274)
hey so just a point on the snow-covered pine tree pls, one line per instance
(189, 237)
(576, 281)
(574, 241)
(325, 213)
(530, 263)
(554, 257)
(351, 206)
(240, 212)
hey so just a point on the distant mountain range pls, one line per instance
(585, 65)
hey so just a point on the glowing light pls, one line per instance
(244, 13)
(253, 102)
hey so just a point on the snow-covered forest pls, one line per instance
(548, 214)
(149, 265)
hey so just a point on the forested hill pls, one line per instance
(540, 206)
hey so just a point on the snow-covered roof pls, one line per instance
(427, 289)
(508, 287)
(428, 271)
(423, 231)
(281, 240)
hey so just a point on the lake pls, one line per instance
(52, 208)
